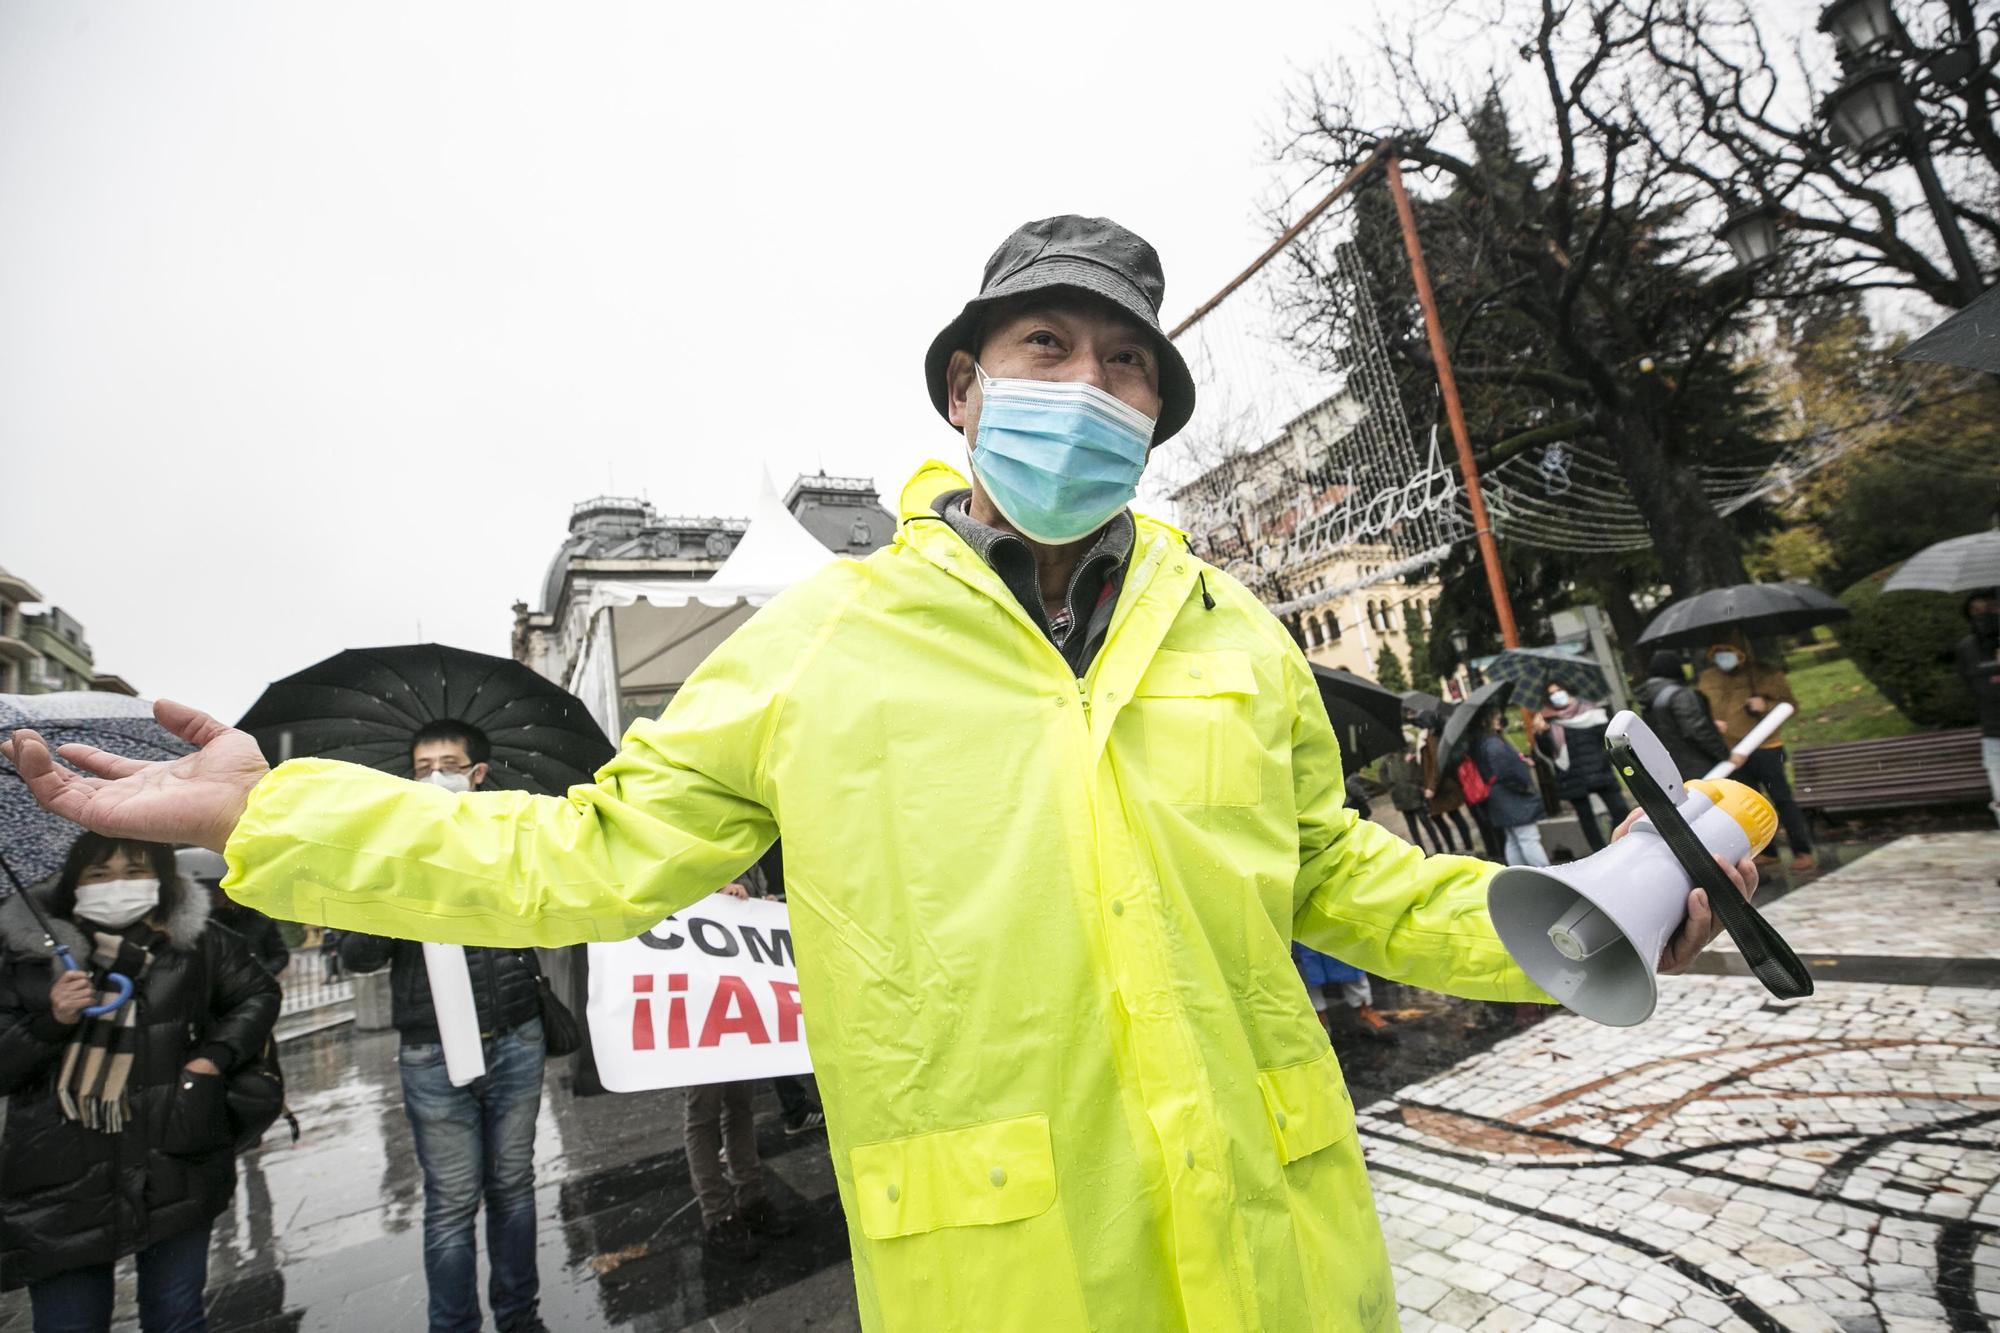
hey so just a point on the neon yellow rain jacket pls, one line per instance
(1072, 1079)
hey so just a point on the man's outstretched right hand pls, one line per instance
(194, 799)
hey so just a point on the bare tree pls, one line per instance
(1748, 126)
(1584, 285)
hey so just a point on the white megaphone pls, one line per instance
(1590, 933)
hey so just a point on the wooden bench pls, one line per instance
(1931, 768)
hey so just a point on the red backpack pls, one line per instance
(1471, 782)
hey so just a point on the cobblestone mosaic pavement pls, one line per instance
(1736, 1163)
(1931, 895)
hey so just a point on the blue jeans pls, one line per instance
(172, 1274)
(1524, 845)
(474, 1141)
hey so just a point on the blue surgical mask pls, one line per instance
(1058, 457)
(1727, 661)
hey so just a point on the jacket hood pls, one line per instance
(1650, 687)
(936, 478)
(21, 933)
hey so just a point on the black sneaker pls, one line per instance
(806, 1123)
(730, 1239)
(763, 1219)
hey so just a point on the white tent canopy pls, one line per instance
(646, 636)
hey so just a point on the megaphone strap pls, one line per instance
(1764, 950)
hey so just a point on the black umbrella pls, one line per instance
(36, 841)
(1754, 608)
(363, 705)
(1367, 719)
(1493, 694)
(1970, 338)
(1420, 701)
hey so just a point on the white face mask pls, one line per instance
(459, 782)
(1560, 698)
(1727, 661)
(117, 902)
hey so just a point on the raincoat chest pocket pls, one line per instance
(956, 1217)
(1194, 710)
(1308, 1106)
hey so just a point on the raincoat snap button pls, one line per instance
(1281, 1120)
(1118, 909)
(1189, 1158)
(894, 1194)
(1195, 672)
(997, 1176)
(1062, 701)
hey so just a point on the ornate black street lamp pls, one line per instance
(1861, 27)
(1751, 232)
(1872, 111)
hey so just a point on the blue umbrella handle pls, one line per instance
(119, 982)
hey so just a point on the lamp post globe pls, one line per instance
(1751, 232)
(1869, 110)
(1861, 27)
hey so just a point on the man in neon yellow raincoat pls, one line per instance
(1056, 798)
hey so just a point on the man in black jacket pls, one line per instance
(1678, 714)
(475, 1141)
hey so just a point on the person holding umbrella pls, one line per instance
(1978, 657)
(1678, 714)
(1443, 799)
(1569, 731)
(1513, 802)
(119, 1139)
(1057, 796)
(1740, 690)
(475, 1142)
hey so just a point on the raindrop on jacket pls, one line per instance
(1043, 924)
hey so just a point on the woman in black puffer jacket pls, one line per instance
(90, 1172)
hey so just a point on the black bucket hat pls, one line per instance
(1093, 255)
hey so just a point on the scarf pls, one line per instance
(91, 1088)
(1578, 714)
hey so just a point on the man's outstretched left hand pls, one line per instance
(1702, 924)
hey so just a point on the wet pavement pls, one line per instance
(1737, 1163)
(327, 1235)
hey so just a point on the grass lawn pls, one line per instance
(1836, 702)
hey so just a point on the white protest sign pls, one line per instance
(710, 995)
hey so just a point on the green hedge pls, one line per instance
(1903, 643)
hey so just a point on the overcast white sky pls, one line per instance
(315, 319)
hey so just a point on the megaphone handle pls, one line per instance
(1769, 958)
